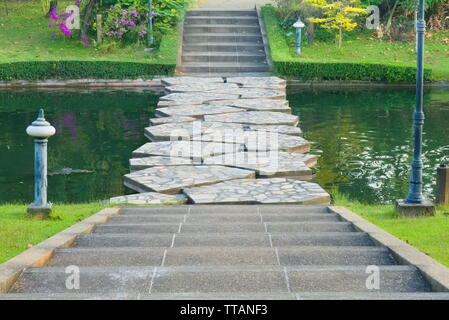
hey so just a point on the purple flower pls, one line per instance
(85, 41)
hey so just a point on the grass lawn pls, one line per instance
(25, 36)
(18, 233)
(428, 234)
(358, 47)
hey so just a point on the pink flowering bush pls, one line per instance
(126, 23)
(58, 21)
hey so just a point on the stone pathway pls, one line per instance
(236, 141)
(226, 252)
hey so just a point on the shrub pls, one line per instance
(348, 71)
(286, 65)
(41, 70)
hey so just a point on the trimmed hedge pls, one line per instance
(42, 70)
(288, 66)
(348, 71)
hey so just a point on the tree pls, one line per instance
(53, 5)
(86, 16)
(338, 15)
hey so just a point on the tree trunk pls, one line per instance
(53, 5)
(311, 32)
(86, 16)
(390, 17)
(340, 37)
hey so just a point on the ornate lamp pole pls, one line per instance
(150, 24)
(415, 203)
(298, 25)
(40, 130)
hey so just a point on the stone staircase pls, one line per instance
(224, 252)
(223, 42)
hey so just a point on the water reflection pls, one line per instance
(95, 130)
(364, 138)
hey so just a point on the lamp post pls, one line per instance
(415, 203)
(40, 130)
(298, 25)
(150, 24)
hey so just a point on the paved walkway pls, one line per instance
(223, 141)
(223, 252)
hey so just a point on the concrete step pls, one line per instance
(248, 239)
(222, 37)
(221, 67)
(220, 13)
(221, 28)
(226, 20)
(234, 296)
(224, 209)
(197, 279)
(224, 47)
(224, 227)
(240, 57)
(222, 218)
(221, 256)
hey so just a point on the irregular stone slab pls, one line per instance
(164, 120)
(251, 93)
(197, 97)
(201, 87)
(260, 81)
(148, 162)
(196, 111)
(173, 81)
(263, 191)
(269, 164)
(150, 198)
(184, 131)
(256, 104)
(256, 117)
(258, 140)
(195, 150)
(291, 130)
(171, 180)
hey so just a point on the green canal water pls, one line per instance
(363, 139)
(95, 130)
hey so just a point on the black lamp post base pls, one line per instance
(426, 208)
(39, 213)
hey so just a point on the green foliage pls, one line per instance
(320, 67)
(41, 70)
(348, 71)
(166, 13)
(18, 232)
(338, 15)
(33, 55)
(428, 234)
(45, 6)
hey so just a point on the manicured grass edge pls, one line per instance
(40, 254)
(435, 273)
(100, 69)
(289, 67)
